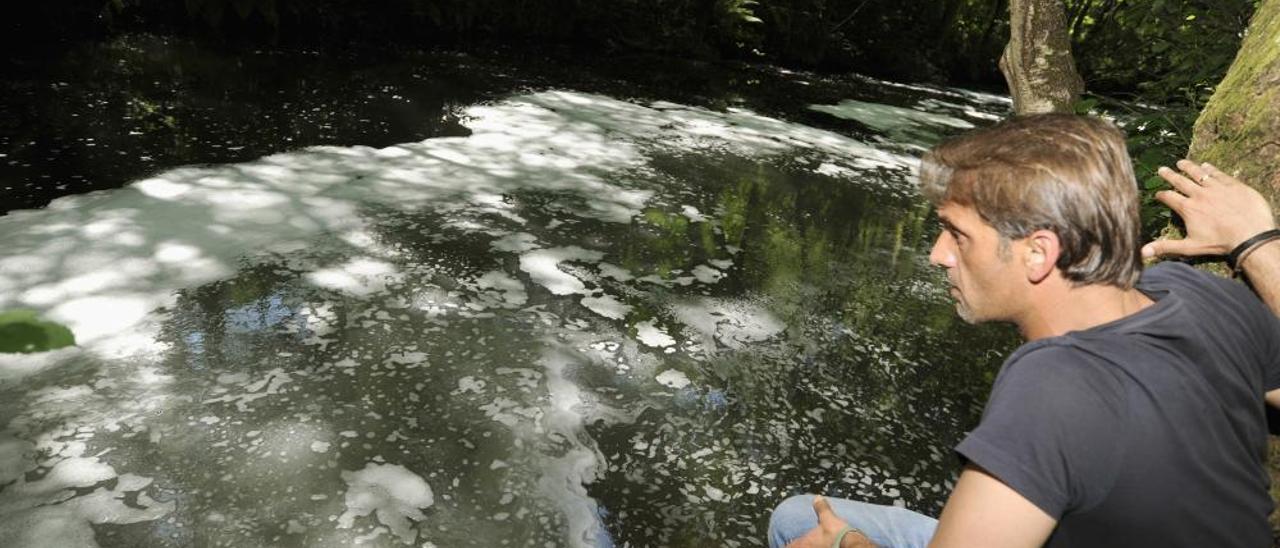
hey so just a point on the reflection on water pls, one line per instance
(589, 322)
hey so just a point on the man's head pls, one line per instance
(1030, 180)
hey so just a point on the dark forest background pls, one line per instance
(1163, 50)
(1153, 64)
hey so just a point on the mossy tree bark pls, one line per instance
(1239, 129)
(1037, 62)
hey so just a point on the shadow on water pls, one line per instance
(872, 382)
(578, 322)
(105, 113)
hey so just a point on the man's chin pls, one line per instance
(967, 315)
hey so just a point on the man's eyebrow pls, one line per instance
(949, 226)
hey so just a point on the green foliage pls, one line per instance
(1157, 136)
(1161, 50)
(736, 21)
(212, 11)
(1166, 51)
(23, 331)
(1165, 57)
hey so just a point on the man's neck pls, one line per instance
(1061, 308)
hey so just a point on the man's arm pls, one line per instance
(1263, 268)
(984, 512)
(1221, 212)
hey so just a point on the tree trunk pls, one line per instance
(1239, 130)
(1037, 62)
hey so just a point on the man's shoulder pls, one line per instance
(1056, 361)
(1175, 272)
(1175, 275)
(1212, 296)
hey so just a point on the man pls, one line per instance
(1133, 415)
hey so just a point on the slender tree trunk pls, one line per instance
(1076, 16)
(1037, 62)
(996, 7)
(1239, 129)
(946, 26)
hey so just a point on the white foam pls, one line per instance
(99, 263)
(692, 214)
(469, 384)
(616, 272)
(673, 378)
(395, 493)
(899, 123)
(706, 274)
(50, 512)
(835, 170)
(607, 306)
(17, 457)
(543, 266)
(47, 527)
(359, 276)
(732, 323)
(517, 242)
(652, 335)
(507, 292)
(15, 367)
(566, 473)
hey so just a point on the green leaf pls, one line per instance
(23, 331)
(1085, 105)
(1152, 157)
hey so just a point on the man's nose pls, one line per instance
(942, 253)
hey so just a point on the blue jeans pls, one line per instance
(887, 526)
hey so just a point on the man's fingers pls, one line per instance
(1217, 176)
(1178, 248)
(1195, 172)
(826, 516)
(1173, 199)
(1178, 180)
(822, 508)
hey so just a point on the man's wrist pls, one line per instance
(1235, 259)
(1264, 252)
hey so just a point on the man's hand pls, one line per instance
(1220, 211)
(824, 535)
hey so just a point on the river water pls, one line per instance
(449, 300)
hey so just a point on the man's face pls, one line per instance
(983, 279)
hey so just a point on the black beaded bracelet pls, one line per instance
(1263, 237)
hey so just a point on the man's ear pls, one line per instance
(1041, 255)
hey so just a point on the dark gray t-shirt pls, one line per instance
(1146, 431)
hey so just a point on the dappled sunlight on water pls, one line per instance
(589, 322)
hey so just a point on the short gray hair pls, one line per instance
(1068, 174)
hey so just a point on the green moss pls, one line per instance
(23, 331)
(1239, 129)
